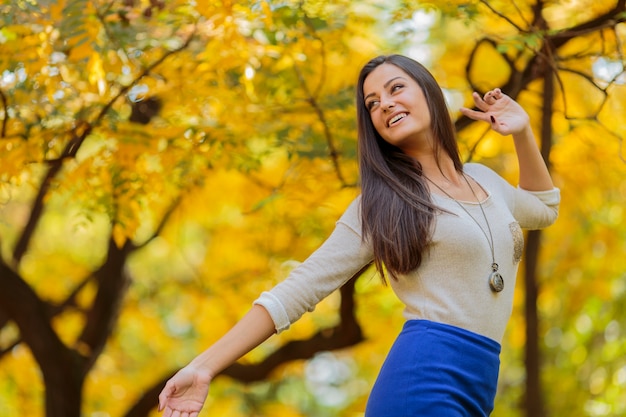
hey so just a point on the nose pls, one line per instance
(387, 103)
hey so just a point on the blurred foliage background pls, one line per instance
(163, 162)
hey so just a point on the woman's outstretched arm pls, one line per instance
(185, 393)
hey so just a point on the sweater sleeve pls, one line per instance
(328, 268)
(536, 209)
(531, 209)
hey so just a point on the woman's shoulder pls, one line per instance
(352, 215)
(353, 210)
(485, 175)
(479, 170)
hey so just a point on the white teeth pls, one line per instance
(396, 118)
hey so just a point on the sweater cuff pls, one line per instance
(549, 197)
(275, 309)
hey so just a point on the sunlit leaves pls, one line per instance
(230, 168)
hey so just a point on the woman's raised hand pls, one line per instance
(503, 113)
(184, 394)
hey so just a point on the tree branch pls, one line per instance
(519, 79)
(101, 318)
(31, 315)
(502, 16)
(330, 142)
(157, 231)
(313, 32)
(347, 333)
(312, 100)
(5, 119)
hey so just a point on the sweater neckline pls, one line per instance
(486, 200)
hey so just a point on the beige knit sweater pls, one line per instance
(451, 285)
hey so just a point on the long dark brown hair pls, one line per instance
(396, 209)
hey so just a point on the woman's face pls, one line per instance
(398, 108)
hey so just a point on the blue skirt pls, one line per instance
(436, 370)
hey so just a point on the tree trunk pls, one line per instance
(534, 404)
(61, 368)
(64, 368)
(533, 401)
(64, 388)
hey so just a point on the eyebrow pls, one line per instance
(384, 86)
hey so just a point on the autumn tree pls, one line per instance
(116, 117)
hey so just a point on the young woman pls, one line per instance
(447, 237)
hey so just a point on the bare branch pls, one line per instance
(166, 216)
(32, 316)
(472, 150)
(536, 66)
(10, 347)
(608, 20)
(502, 16)
(346, 333)
(100, 319)
(590, 79)
(5, 119)
(332, 149)
(54, 310)
(313, 32)
(519, 11)
(618, 42)
(313, 102)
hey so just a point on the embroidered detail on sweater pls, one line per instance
(518, 241)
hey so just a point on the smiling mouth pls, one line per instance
(395, 119)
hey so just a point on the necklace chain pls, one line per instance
(495, 279)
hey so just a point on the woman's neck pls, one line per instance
(441, 171)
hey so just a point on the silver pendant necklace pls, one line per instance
(496, 282)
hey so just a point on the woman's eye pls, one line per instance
(370, 104)
(396, 87)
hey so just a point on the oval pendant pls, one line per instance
(496, 282)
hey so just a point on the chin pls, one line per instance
(399, 142)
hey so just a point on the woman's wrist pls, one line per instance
(526, 133)
(201, 366)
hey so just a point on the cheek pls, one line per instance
(376, 122)
(378, 125)
(384, 133)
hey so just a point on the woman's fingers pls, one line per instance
(164, 395)
(492, 96)
(475, 115)
(485, 104)
(480, 102)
